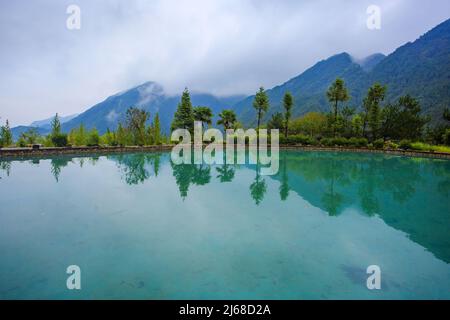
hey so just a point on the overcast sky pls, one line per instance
(223, 47)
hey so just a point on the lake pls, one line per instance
(140, 227)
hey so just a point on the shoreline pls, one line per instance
(15, 153)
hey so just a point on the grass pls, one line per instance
(420, 146)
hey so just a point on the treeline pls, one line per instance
(134, 131)
(378, 124)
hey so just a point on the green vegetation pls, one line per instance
(261, 104)
(392, 125)
(204, 115)
(5, 135)
(227, 119)
(288, 103)
(184, 116)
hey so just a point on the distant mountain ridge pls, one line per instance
(420, 68)
(42, 127)
(46, 123)
(149, 96)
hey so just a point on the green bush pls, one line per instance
(358, 142)
(446, 137)
(93, 138)
(391, 145)
(378, 144)
(327, 142)
(297, 139)
(339, 141)
(59, 140)
(405, 144)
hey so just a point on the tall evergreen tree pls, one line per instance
(184, 116)
(56, 126)
(336, 93)
(156, 130)
(6, 135)
(261, 104)
(372, 109)
(288, 102)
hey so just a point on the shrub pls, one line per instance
(358, 142)
(446, 137)
(339, 141)
(391, 145)
(378, 144)
(59, 140)
(93, 138)
(421, 146)
(405, 144)
(328, 142)
(297, 139)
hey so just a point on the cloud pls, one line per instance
(223, 46)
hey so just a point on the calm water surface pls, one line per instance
(140, 227)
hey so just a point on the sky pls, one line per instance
(223, 47)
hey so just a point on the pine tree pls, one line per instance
(288, 102)
(156, 130)
(184, 116)
(6, 135)
(56, 126)
(371, 104)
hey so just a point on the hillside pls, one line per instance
(421, 68)
(149, 96)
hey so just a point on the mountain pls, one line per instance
(17, 131)
(43, 127)
(371, 61)
(46, 123)
(149, 96)
(420, 68)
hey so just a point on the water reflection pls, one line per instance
(409, 194)
(136, 168)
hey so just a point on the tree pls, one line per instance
(28, 137)
(93, 138)
(77, 136)
(336, 93)
(288, 102)
(204, 115)
(109, 138)
(372, 111)
(261, 104)
(156, 130)
(56, 126)
(184, 116)
(371, 104)
(57, 138)
(312, 124)
(446, 114)
(122, 136)
(346, 118)
(227, 119)
(135, 123)
(6, 135)
(403, 120)
(276, 122)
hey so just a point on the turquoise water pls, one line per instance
(141, 227)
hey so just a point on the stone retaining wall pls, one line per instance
(29, 152)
